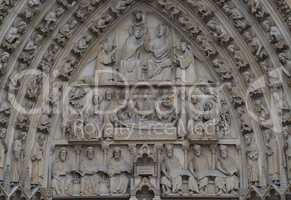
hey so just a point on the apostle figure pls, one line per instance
(118, 170)
(185, 62)
(172, 171)
(37, 161)
(253, 168)
(106, 61)
(132, 58)
(89, 172)
(227, 166)
(166, 109)
(288, 154)
(18, 156)
(61, 182)
(273, 157)
(3, 151)
(160, 64)
(200, 166)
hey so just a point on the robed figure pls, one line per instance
(227, 166)
(133, 59)
(160, 64)
(62, 182)
(118, 170)
(37, 161)
(173, 172)
(199, 166)
(89, 173)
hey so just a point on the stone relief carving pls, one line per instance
(61, 180)
(94, 177)
(18, 156)
(3, 152)
(155, 56)
(228, 166)
(87, 173)
(4, 57)
(288, 154)
(273, 156)
(66, 32)
(12, 38)
(106, 62)
(68, 68)
(253, 168)
(32, 9)
(173, 173)
(37, 160)
(118, 171)
(200, 167)
(50, 20)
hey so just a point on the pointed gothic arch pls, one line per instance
(239, 42)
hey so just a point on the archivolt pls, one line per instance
(242, 42)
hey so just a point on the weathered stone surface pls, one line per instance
(145, 100)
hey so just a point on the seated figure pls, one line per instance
(173, 172)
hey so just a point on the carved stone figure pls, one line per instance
(4, 57)
(89, 181)
(185, 60)
(22, 122)
(119, 171)
(49, 58)
(100, 24)
(218, 31)
(33, 7)
(66, 31)
(173, 173)
(288, 156)
(82, 44)
(50, 20)
(273, 157)
(37, 161)
(160, 64)
(84, 9)
(106, 61)
(200, 117)
(68, 68)
(14, 34)
(18, 156)
(61, 181)
(206, 45)
(34, 88)
(29, 50)
(253, 168)
(228, 166)
(286, 61)
(132, 51)
(44, 124)
(166, 110)
(67, 3)
(121, 6)
(236, 16)
(258, 48)
(3, 152)
(204, 11)
(257, 9)
(199, 166)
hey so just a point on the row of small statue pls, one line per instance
(114, 177)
